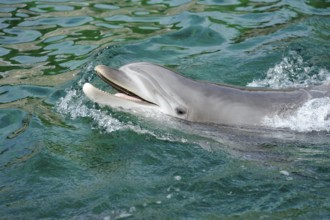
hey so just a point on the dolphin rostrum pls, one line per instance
(146, 86)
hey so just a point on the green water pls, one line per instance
(62, 157)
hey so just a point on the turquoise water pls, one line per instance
(63, 157)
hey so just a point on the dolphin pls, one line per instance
(145, 86)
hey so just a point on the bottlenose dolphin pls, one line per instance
(146, 86)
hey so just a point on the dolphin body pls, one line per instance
(146, 86)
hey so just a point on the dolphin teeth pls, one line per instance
(95, 94)
(122, 95)
(128, 97)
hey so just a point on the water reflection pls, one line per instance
(60, 36)
(48, 33)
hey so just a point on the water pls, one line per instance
(63, 157)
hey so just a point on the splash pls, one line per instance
(73, 105)
(294, 72)
(314, 115)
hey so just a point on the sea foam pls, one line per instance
(293, 72)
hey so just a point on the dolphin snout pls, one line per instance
(100, 68)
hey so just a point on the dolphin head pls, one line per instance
(142, 86)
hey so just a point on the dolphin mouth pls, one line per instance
(123, 92)
(120, 89)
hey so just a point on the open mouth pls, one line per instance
(122, 92)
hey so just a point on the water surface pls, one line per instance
(62, 156)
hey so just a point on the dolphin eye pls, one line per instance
(180, 111)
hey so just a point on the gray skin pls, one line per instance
(160, 89)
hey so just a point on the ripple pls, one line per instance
(7, 9)
(13, 93)
(193, 36)
(48, 8)
(29, 59)
(10, 121)
(63, 22)
(3, 51)
(68, 47)
(106, 6)
(19, 36)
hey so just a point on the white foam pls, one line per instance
(178, 178)
(169, 196)
(73, 105)
(293, 72)
(285, 173)
(314, 115)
